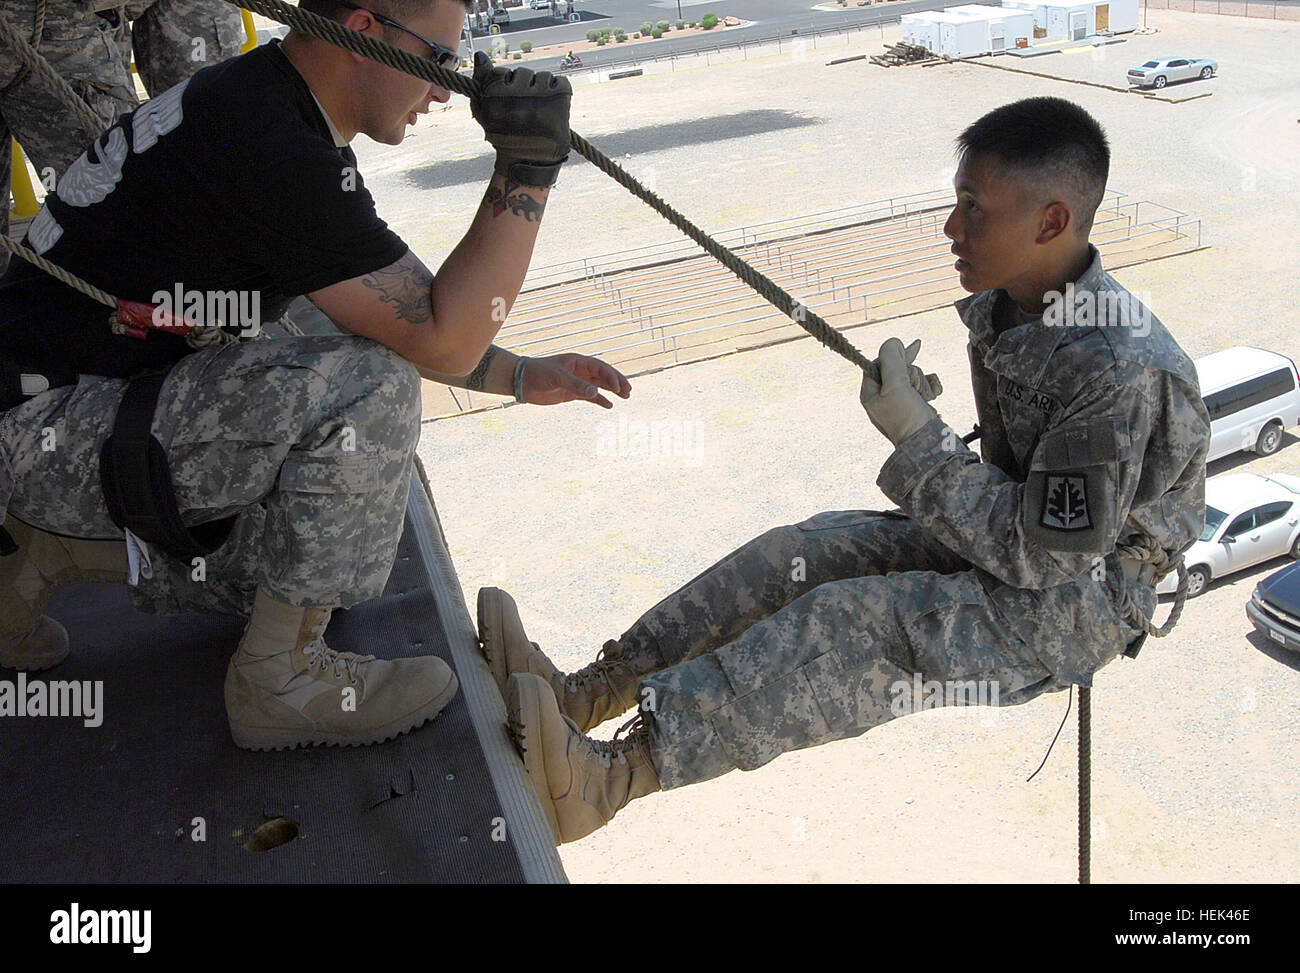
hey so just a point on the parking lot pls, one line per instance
(1195, 769)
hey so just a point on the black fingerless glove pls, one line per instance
(525, 115)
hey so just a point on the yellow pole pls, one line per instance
(25, 205)
(250, 32)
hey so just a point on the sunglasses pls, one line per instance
(444, 57)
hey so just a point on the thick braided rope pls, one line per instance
(1085, 785)
(393, 57)
(54, 270)
(1163, 567)
(34, 62)
(38, 28)
(202, 336)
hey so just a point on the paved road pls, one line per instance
(767, 17)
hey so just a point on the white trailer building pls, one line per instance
(922, 29)
(1006, 26)
(969, 30)
(1076, 20)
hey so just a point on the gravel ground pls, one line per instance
(1195, 772)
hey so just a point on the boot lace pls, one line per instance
(320, 654)
(620, 746)
(602, 670)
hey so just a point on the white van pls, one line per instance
(1252, 395)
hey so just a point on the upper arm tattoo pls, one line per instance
(406, 285)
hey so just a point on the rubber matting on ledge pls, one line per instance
(119, 802)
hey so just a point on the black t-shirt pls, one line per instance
(228, 186)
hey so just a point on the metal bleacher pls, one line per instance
(654, 307)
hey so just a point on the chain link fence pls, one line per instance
(1268, 10)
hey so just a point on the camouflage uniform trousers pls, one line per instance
(83, 49)
(814, 633)
(174, 38)
(308, 441)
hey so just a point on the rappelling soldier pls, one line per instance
(1026, 568)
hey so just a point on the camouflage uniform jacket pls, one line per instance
(1093, 434)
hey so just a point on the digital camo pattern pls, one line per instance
(759, 658)
(766, 663)
(174, 38)
(84, 50)
(307, 440)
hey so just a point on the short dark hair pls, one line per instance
(393, 9)
(1052, 144)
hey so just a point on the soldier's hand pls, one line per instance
(565, 378)
(893, 404)
(525, 115)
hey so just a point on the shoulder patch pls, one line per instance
(1065, 503)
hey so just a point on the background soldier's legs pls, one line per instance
(763, 576)
(81, 48)
(831, 664)
(174, 38)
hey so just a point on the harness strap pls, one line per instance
(137, 482)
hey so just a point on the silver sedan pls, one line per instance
(1158, 73)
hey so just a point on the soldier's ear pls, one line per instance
(1054, 219)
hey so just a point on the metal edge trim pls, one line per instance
(538, 856)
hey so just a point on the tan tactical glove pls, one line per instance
(894, 405)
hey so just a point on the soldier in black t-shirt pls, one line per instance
(219, 201)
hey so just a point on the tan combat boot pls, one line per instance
(43, 562)
(286, 688)
(580, 782)
(588, 697)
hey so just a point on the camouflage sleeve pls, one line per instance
(1048, 530)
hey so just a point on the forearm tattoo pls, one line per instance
(519, 203)
(475, 381)
(406, 285)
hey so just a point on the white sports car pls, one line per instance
(1162, 70)
(1249, 518)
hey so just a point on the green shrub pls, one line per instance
(636, 36)
(646, 27)
(656, 33)
(663, 25)
(592, 35)
(600, 41)
(516, 55)
(525, 46)
(681, 24)
(692, 25)
(709, 22)
(620, 37)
